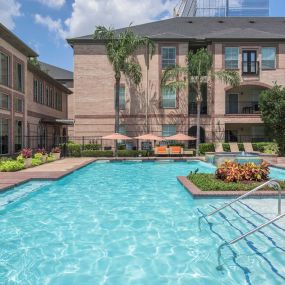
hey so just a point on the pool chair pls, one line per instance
(175, 150)
(161, 150)
(234, 147)
(248, 148)
(219, 147)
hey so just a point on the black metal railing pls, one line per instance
(243, 107)
(250, 67)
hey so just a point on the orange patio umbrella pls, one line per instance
(180, 137)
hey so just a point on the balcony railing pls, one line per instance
(244, 107)
(250, 67)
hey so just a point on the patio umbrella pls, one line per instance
(180, 137)
(149, 137)
(116, 137)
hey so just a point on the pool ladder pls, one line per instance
(272, 184)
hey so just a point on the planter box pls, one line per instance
(28, 162)
(56, 155)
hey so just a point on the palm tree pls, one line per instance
(199, 71)
(121, 49)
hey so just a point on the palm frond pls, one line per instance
(230, 77)
(173, 73)
(103, 33)
(133, 70)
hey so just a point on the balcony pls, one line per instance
(243, 107)
(250, 68)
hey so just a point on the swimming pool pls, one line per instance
(131, 223)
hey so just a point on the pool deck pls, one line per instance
(49, 171)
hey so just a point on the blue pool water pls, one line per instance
(132, 223)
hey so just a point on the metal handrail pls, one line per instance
(273, 183)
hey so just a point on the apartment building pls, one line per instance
(33, 105)
(255, 47)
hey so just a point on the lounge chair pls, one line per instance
(234, 147)
(161, 150)
(219, 147)
(248, 148)
(175, 150)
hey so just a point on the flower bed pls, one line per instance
(26, 160)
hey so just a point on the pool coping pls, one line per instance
(24, 177)
(198, 193)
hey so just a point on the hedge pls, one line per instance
(74, 149)
(208, 182)
(206, 147)
(261, 146)
(132, 153)
(91, 146)
(97, 153)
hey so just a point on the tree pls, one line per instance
(121, 50)
(272, 106)
(199, 71)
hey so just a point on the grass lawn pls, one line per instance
(208, 182)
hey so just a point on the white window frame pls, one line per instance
(164, 65)
(169, 132)
(233, 67)
(168, 96)
(262, 64)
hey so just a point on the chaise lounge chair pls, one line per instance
(248, 148)
(234, 147)
(175, 150)
(219, 147)
(161, 150)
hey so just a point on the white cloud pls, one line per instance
(87, 14)
(52, 3)
(9, 9)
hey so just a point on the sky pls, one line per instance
(45, 24)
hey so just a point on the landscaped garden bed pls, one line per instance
(232, 176)
(27, 159)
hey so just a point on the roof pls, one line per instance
(56, 72)
(16, 42)
(47, 77)
(207, 28)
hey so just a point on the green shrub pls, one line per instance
(11, 166)
(132, 153)
(206, 147)
(121, 147)
(36, 161)
(97, 153)
(91, 147)
(261, 146)
(50, 158)
(74, 149)
(177, 144)
(38, 156)
(20, 159)
(241, 147)
(226, 147)
(271, 149)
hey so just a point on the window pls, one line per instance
(36, 90)
(4, 69)
(231, 57)
(4, 136)
(192, 101)
(18, 135)
(122, 130)
(58, 99)
(19, 77)
(51, 97)
(168, 57)
(168, 130)
(122, 98)
(268, 58)
(4, 101)
(249, 63)
(19, 105)
(168, 98)
(41, 92)
(47, 96)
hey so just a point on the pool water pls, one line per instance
(133, 223)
